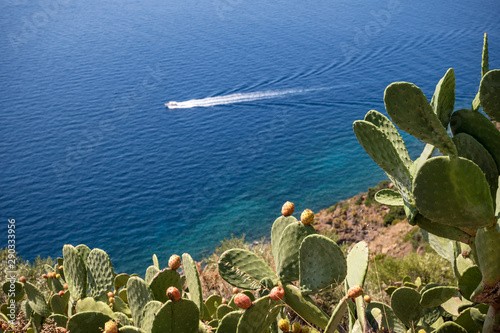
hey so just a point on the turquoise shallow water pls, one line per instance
(89, 154)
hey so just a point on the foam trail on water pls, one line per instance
(234, 98)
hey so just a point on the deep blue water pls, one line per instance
(89, 154)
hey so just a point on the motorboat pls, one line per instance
(171, 104)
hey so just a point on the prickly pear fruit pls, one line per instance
(277, 293)
(111, 294)
(61, 330)
(61, 293)
(173, 294)
(305, 329)
(242, 301)
(224, 301)
(22, 279)
(110, 327)
(235, 290)
(355, 291)
(367, 299)
(174, 262)
(60, 268)
(111, 300)
(45, 276)
(65, 286)
(58, 276)
(296, 328)
(287, 208)
(284, 325)
(307, 217)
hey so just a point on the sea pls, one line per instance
(266, 94)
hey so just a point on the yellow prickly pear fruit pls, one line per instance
(307, 217)
(110, 327)
(296, 328)
(367, 298)
(284, 325)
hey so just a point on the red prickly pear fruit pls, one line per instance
(277, 293)
(367, 299)
(174, 262)
(235, 290)
(242, 301)
(22, 279)
(111, 294)
(307, 217)
(65, 286)
(284, 325)
(355, 291)
(224, 301)
(173, 294)
(296, 328)
(110, 327)
(287, 208)
(45, 276)
(61, 293)
(58, 276)
(61, 330)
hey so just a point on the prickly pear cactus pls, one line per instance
(100, 273)
(76, 273)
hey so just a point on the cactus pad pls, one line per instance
(436, 296)
(150, 272)
(279, 226)
(337, 315)
(129, 329)
(389, 197)
(229, 323)
(304, 306)
(384, 318)
(88, 304)
(244, 269)
(410, 110)
(148, 315)
(193, 282)
(453, 192)
(450, 327)
(405, 302)
(121, 280)
(18, 290)
(357, 264)
(100, 273)
(289, 245)
(83, 251)
(487, 246)
(59, 319)
(36, 300)
(223, 310)
(489, 94)
(322, 264)
(138, 296)
(162, 281)
(75, 272)
(443, 100)
(212, 303)
(177, 317)
(259, 316)
(88, 322)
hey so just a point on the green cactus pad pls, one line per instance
(36, 300)
(384, 317)
(436, 296)
(88, 322)
(59, 319)
(489, 94)
(83, 251)
(75, 272)
(453, 192)
(485, 67)
(290, 241)
(450, 327)
(442, 231)
(229, 323)
(382, 151)
(279, 226)
(121, 280)
(488, 253)
(148, 315)
(156, 263)
(129, 329)
(481, 128)
(123, 318)
(443, 100)
(138, 296)
(389, 197)
(177, 317)
(193, 282)
(212, 303)
(244, 269)
(162, 281)
(151, 271)
(259, 316)
(121, 306)
(26, 309)
(59, 304)
(405, 302)
(18, 290)
(304, 306)
(465, 320)
(337, 315)
(471, 149)
(357, 264)
(390, 131)
(223, 310)
(410, 110)
(322, 264)
(100, 273)
(88, 304)
(123, 295)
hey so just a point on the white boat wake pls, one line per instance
(234, 98)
